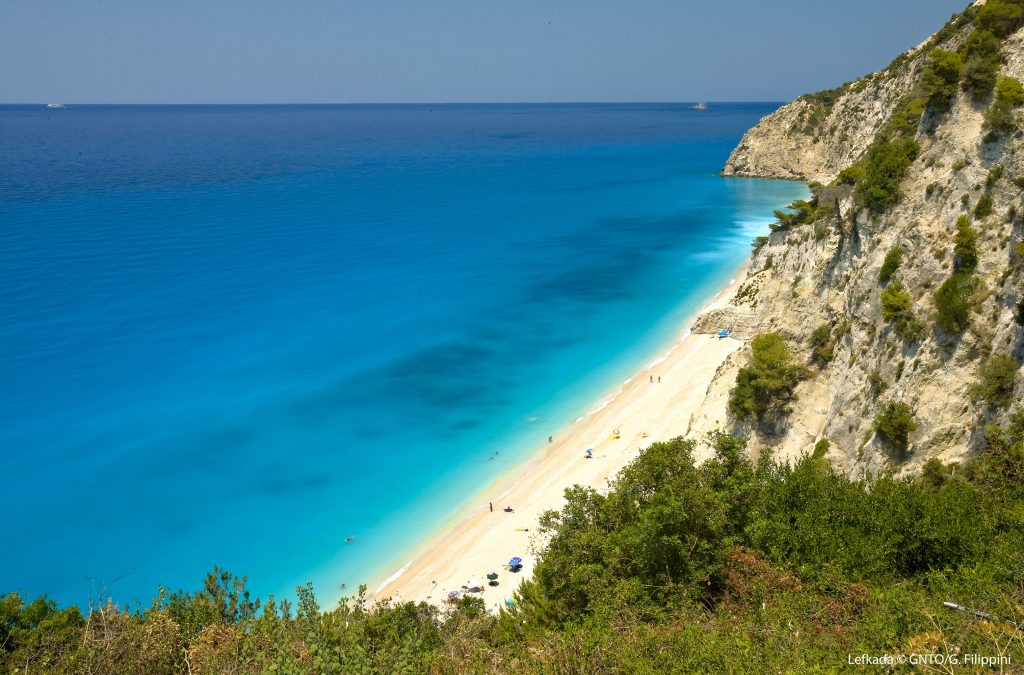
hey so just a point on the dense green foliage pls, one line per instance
(884, 166)
(965, 246)
(765, 388)
(996, 380)
(898, 307)
(940, 78)
(851, 174)
(895, 422)
(1000, 17)
(892, 262)
(981, 63)
(954, 300)
(1000, 118)
(727, 566)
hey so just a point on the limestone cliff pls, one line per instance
(824, 274)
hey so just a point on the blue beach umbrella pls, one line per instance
(515, 562)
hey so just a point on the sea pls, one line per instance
(292, 341)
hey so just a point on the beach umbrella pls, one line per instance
(492, 576)
(515, 562)
(474, 583)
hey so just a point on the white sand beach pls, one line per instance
(643, 412)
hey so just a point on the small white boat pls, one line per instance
(54, 106)
(699, 106)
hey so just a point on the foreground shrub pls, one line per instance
(729, 565)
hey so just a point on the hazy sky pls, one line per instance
(175, 51)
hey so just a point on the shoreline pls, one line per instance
(654, 404)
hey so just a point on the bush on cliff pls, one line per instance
(965, 246)
(954, 300)
(885, 165)
(898, 307)
(895, 422)
(940, 78)
(981, 63)
(765, 388)
(892, 262)
(802, 212)
(823, 346)
(1000, 17)
(997, 378)
(1000, 118)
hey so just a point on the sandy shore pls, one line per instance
(643, 412)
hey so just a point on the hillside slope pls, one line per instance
(931, 142)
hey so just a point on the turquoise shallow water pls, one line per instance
(238, 335)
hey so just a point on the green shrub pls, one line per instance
(981, 64)
(885, 165)
(994, 174)
(934, 473)
(1000, 17)
(1010, 91)
(851, 174)
(1000, 118)
(895, 422)
(965, 246)
(803, 212)
(996, 380)
(892, 262)
(983, 209)
(896, 302)
(898, 307)
(821, 448)
(877, 383)
(823, 347)
(940, 78)
(766, 386)
(954, 300)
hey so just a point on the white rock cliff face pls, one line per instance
(827, 273)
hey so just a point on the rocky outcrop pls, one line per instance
(826, 273)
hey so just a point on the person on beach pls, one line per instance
(508, 509)
(652, 379)
(490, 505)
(659, 379)
(551, 439)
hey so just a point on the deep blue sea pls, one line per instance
(238, 335)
